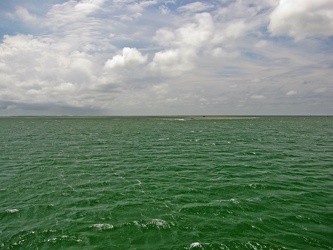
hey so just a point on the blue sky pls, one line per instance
(177, 57)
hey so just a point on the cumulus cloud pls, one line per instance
(193, 34)
(125, 57)
(130, 58)
(302, 18)
(182, 45)
(198, 33)
(37, 67)
(173, 62)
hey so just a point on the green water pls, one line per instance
(166, 183)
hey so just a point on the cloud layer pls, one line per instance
(163, 57)
(300, 19)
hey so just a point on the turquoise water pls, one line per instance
(166, 183)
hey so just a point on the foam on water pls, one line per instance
(160, 223)
(154, 223)
(11, 211)
(102, 226)
(195, 245)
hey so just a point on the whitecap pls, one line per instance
(53, 240)
(49, 231)
(195, 244)
(235, 201)
(11, 211)
(164, 139)
(159, 223)
(102, 226)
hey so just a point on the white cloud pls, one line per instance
(173, 62)
(249, 10)
(291, 93)
(165, 37)
(195, 7)
(193, 34)
(70, 12)
(24, 15)
(88, 6)
(261, 44)
(198, 33)
(38, 71)
(130, 58)
(148, 3)
(258, 97)
(135, 8)
(164, 9)
(85, 53)
(236, 26)
(132, 10)
(161, 89)
(236, 29)
(320, 90)
(302, 18)
(219, 52)
(183, 45)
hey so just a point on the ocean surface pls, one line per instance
(166, 183)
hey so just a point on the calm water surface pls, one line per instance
(166, 183)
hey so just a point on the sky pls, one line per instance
(171, 57)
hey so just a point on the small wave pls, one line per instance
(195, 245)
(258, 186)
(63, 239)
(233, 200)
(11, 211)
(28, 239)
(102, 226)
(158, 223)
(233, 245)
(164, 139)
